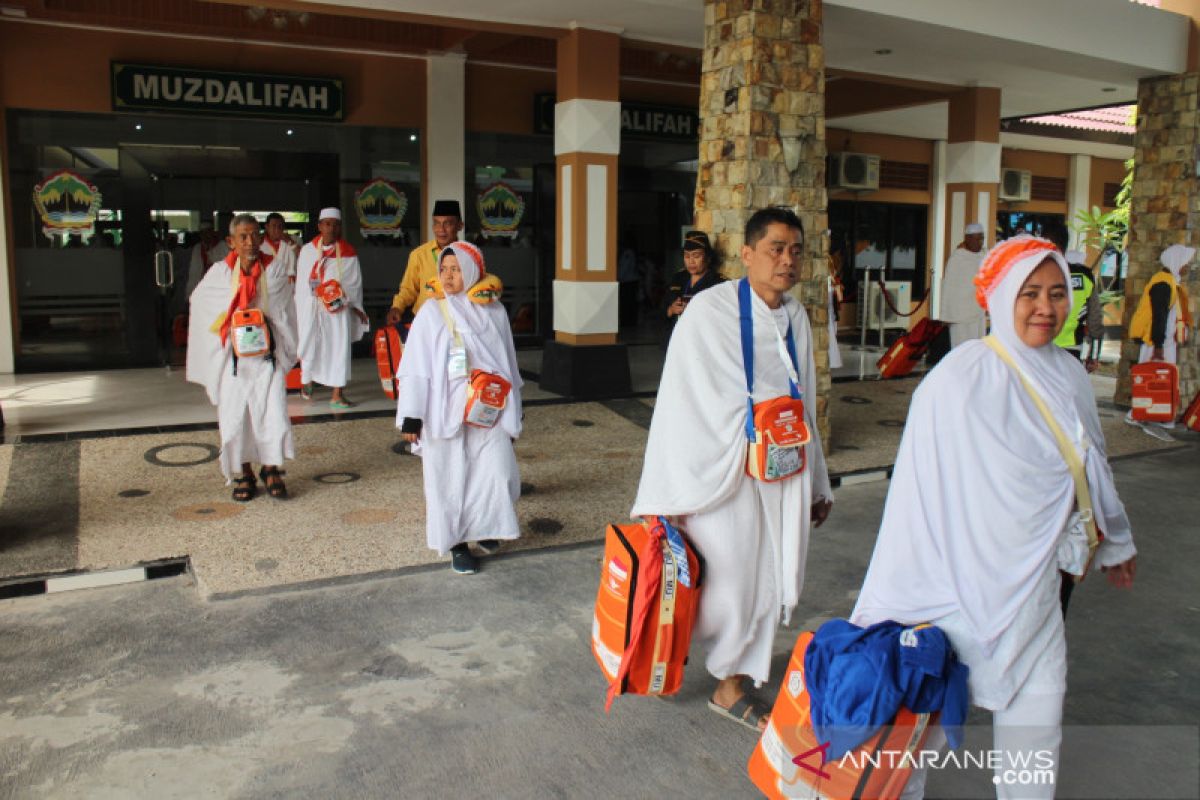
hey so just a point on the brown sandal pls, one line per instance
(244, 488)
(272, 478)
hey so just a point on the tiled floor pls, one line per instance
(109, 401)
(39, 404)
(115, 469)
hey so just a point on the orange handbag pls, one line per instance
(777, 451)
(487, 394)
(1155, 391)
(250, 333)
(646, 606)
(790, 762)
(388, 352)
(1191, 415)
(332, 295)
(776, 431)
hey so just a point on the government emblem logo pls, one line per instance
(500, 211)
(380, 206)
(67, 203)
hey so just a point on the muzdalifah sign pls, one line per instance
(638, 120)
(139, 87)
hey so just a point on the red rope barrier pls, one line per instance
(888, 299)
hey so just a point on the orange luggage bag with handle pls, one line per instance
(645, 608)
(1155, 391)
(1191, 415)
(293, 382)
(790, 762)
(907, 351)
(388, 352)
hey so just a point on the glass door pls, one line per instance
(111, 214)
(194, 193)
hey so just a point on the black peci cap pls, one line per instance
(447, 208)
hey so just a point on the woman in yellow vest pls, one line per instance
(1163, 318)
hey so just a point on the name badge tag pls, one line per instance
(250, 339)
(456, 364)
(783, 461)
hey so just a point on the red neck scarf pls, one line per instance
(247, 289)
(340, 248)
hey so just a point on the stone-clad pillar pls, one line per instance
(762, 141)
(584, 359)
(1164, 207)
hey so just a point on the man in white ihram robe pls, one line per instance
(958, 306)
(325, 337)
(752, 535)
(277, 244)
(210, 249)
(251, 402)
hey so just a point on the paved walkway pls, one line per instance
(115, 501)
(424, 684)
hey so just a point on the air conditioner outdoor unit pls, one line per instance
(856, 171)
(899, 292)
(1015, 185)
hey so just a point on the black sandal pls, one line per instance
(272, 478)
(244, 488)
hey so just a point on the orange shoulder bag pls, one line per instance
(487, 394)
(251, 334)
(776, 431)
(330, 292)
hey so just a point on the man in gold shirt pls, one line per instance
(422, 262)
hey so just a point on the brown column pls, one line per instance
(972, 164)
(762, 141)
(584, 360)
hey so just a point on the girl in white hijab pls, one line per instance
(471, 478)
(982, 506)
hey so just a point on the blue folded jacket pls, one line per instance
(858, 678)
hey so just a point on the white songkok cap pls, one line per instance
(1176, 257)
(972, 229)
(330, 213)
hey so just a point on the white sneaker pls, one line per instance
(1158, 432)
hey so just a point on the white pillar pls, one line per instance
(445, 132)
(937, 210)
(7, 344)
(1079, 188)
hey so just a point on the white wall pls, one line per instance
(7, 345)
(445, 132)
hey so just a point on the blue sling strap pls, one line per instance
(746, 317)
